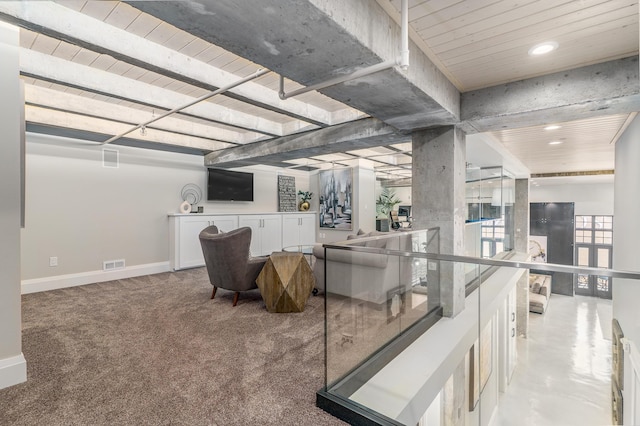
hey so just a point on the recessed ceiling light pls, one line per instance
(555, 142)
(552, 127)
(542, 48)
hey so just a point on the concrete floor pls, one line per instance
(563, 374)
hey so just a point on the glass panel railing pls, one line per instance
(373, 296)
(484, 340)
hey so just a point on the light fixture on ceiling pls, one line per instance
(555, 142)
(542, 48)
(552, 127)
(143, 131)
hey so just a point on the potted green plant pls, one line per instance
(386, 201)
(305, 196)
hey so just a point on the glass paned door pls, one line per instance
(594, 239)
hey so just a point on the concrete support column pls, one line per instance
(13, 367)
(521, 225)
(438, 200)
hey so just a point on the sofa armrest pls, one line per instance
(544, 290)
(318, 251)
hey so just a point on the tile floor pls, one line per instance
(563, 375)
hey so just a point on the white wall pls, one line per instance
(13, 368)
(83, 213)
(589, 198)
(626, 226)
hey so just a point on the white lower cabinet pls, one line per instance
(266, 233)
(508, 339)
(298, 229)
(185, 249)
(269, 233)
(512, 339)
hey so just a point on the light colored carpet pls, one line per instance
(156, 350)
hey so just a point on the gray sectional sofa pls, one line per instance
(539, 292)
(365, 276)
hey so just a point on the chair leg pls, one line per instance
(214, 292)
(235, 298)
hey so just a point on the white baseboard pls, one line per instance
(91, 277)
(13, 371)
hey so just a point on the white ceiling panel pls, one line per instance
(120, 68)
(99, 9)
(333, 157)
(586, 145)
(210, 53)
(222, 60)
(134, 73)
(404, 147)
(122, 16)
(179, 40)
(143, 25)
(369, 152)
(162, 33)
(72, 4)
(27, 38)
(85, 57)
(44, 44)
(195, 47)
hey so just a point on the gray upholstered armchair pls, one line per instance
(228, 261)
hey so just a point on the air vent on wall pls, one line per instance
(110, 265)
(110, 158)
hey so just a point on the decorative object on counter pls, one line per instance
(305, 196)
(287, 194)
(191, 194)
(336, 197)
(185, 207)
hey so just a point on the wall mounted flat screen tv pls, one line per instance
(227, 185)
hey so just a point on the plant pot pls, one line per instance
(304, 206)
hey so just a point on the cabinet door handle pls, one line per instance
(513, 316)
(513, 332)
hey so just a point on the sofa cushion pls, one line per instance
(535, 288)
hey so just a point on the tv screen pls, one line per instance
(227, 185)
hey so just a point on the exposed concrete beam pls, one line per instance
(97, 36)
(62, 101)
(601, 89)
(56, 69)
(310, 41)
(359, 134)
(53, 118)
(83, 135)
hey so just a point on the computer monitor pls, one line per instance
(404, 211)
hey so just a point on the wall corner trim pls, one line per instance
(91, 277)
(13, 371)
